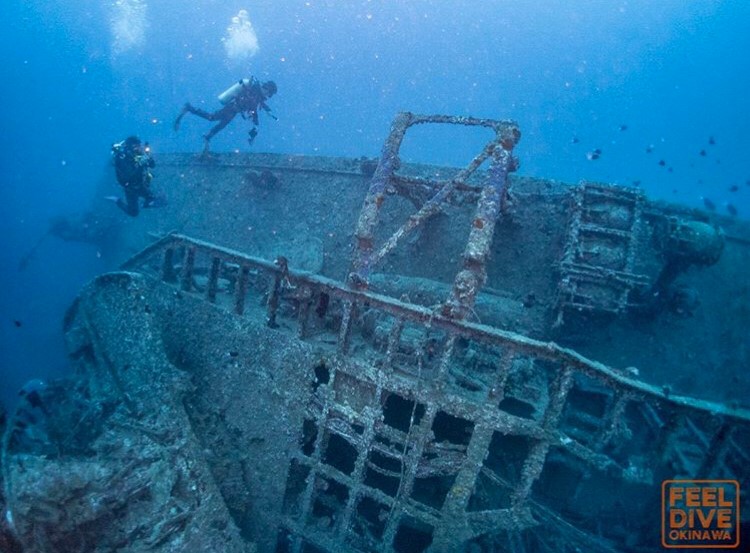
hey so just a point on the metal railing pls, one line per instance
(466, 371)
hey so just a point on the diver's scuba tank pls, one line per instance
(233, 91)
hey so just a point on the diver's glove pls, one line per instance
(253, 133)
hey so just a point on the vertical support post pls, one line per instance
(273, 301)
(497, 390)
(213, 279)
(345, 331)
(167, 269)
(368, 217)
(457, 500)
(303, 316)
(472, 277)
(446, 359)
(394, 339)
(241, 290)
(534, 463)
(187, 268)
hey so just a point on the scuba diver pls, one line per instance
(132, 163)
(245, 97)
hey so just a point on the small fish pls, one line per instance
(575, 140)
(649, 148)
(623, 127)
(636, 183)
(734, 188)
(711, 140)
(708, 203)
(731, 209)
(662, 162)
(594, 154)
(703, 153)
(18, 323)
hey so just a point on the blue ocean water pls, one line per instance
(623, 77)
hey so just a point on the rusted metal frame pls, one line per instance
(410, 464)
(213, 279)
(349, 309)
(472, 277)
(572, 245)
(458, 406)
(241, 289)
(405, 506)
(535, 460)
(592, 228)
(368, 218)
(611, 421)
(501, 127)
(186, 278)
(596, 274)
(632, 247)
(435, 204)
(389, 162)
(339, 421)
(455, 525)
(407, 182)
(520, 344)
(358, 474)
(314, 461)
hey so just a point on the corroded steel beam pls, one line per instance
(492, 199)
(366, 256)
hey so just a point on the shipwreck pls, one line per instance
(304, 354)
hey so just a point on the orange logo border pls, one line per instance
(664, 484)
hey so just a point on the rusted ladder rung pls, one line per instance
(597, 229)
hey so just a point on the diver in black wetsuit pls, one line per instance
(132, 163)
(245, 97)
